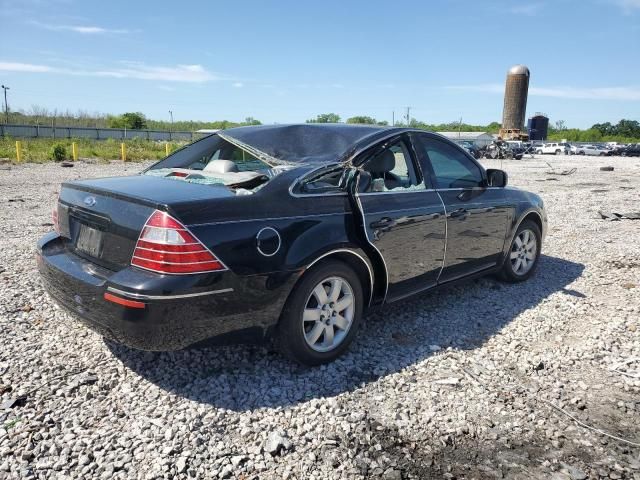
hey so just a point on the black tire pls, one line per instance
(290, 334)
(508, 273)
(538, 152)
(558, 152)
(580, 153)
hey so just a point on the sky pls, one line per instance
(287, 61)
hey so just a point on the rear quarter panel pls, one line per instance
(308, 227)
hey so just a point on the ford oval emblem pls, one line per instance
(90, 201)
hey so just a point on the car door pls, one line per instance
(403, 217)
(477, 215)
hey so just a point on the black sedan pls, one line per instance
(290, 231)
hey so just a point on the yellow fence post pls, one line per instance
(166, 149)
(123, 150)
(18, 150)
(74, 151)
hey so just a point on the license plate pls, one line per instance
(89, 241)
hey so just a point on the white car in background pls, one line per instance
(591, 150)
(554, 148)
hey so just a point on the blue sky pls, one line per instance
(290, 60)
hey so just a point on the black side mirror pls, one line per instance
(363, 182)
(497, 178)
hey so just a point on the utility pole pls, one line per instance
(460, 128)
(408, 117)
(393, 118)
(171, 115)
(6, 105)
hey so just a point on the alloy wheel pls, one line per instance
(328, 314)
(523, 252)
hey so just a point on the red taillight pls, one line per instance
(167, 246)
(54, 214)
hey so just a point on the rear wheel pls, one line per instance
(539, 152)
(322, 315)
(558, 152)
(524, 252)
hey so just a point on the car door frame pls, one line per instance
(426, 165)
(405, 137)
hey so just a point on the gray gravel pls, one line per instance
(454, 384)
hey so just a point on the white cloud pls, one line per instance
(84, 29)
(24, 67)
(238, 84)
(529, 9)
(581, 93)
(139, 71)
(628, 5)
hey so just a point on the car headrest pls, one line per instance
(221, 166)
(383, 162)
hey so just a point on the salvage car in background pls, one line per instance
(554, 148)
(591, 150)
(291, 230)
(472, 149)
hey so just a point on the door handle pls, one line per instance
(383, 223)
(459, 213)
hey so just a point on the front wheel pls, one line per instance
(322, 315)
(523, 255)
(558, 152)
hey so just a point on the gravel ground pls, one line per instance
(462, 383)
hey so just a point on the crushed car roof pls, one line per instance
(304, 143)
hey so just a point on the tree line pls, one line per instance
(37, 115)
(626, 131)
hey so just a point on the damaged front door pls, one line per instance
(403, 219)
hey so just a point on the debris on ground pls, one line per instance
(448, 381)
(571, 171)
(606, 169)
(13, 402)
(613, 216)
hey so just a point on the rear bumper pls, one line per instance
(177, 311)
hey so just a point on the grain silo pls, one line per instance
(515, 98)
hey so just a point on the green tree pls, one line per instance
(362, 120)
(493, 127)
(604, 128)
(325, 118)
(251, 121)
(130, 120)
(627, 128)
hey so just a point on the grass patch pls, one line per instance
(11, 423)
(39, 150)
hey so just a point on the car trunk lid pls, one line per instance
(102, 218)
